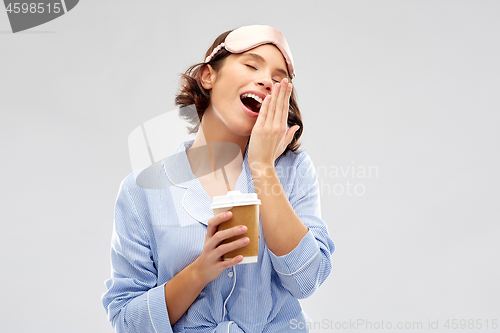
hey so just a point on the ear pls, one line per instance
(207, 77)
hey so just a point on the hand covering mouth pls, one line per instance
(251, 101)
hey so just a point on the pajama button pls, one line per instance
(230, 274)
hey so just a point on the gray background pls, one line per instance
(409, 88)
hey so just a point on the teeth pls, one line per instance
(257, 98)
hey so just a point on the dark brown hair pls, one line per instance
(191, 92)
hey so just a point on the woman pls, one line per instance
(168, 275)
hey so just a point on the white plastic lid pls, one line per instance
(235, 198)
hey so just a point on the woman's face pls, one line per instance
(253, 72)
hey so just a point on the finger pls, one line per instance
(289, 135)
(230, 263)
(222, 235)
(261, 119)
(286, 105)
(214, 222)
(264, 109)
(272, 105)
(280, 103)
(225, 248)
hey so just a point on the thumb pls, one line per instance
(285, 141)
(291, 133)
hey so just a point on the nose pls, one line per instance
(265, 82)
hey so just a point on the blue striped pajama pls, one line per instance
(157, 232)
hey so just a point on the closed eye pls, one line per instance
(252, 67)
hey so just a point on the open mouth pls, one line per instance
(252, 102)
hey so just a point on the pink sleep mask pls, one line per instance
(248, 37)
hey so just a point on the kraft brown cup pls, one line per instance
(245, 209)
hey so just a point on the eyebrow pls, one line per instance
(258, 57)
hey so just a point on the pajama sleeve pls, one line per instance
(134, 302)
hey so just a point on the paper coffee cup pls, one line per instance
(245, 209)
